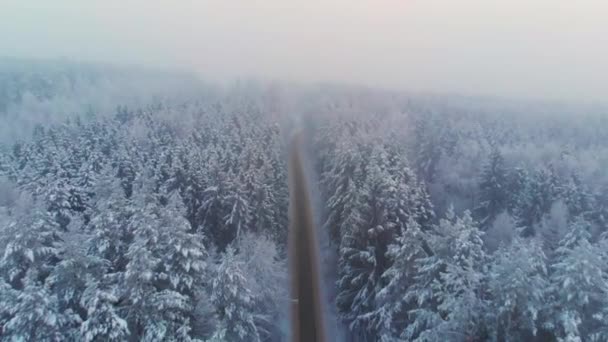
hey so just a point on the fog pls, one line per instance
(517, 48)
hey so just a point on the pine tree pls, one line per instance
(427, 146)
(36, 317)
(234, 301)
(553, 227)
(518, 180)
(517, 285)
(363, 251)
(8, 300)
(8, 164)
(399, 277)
(266, 277)
(184, 262)
(577, 197)
(501, 233)
(263, 202)
(111, 233)
(342, 183)
(103, 323)
(69, 278)
(58, 196)
(413, 199)
(536, 199)
(493, 188)
(204, 322)
(460, 287)
(152, 313)
(578, 287)
(126, 171)
(87, 178)
(450, 285)
(33, 245)
(599, 213)
(423, 315)
(238, 218)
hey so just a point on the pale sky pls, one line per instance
(514, 48)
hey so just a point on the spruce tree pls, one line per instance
(578, 287)
(493, 190)
(234, 301)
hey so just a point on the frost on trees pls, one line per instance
(140, 217)
(449, 286)
(494, 190)
(234, 301)
(578, 287)
(517, 283)
(400, 277)
(103, 322)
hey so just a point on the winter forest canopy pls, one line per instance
(139, 205)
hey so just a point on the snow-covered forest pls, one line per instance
(150, 206)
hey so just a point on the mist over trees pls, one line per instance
(159, 213)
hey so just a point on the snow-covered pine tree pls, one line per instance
(58, 197)
(579, 288)
(185, 256)
(212, 211)
(103, 322)
(577, 197)
(8, 297)
(493, 190)
(153, 313)
(413, 198)
(110, 215)
(239, 216)
(369, 231)
(535, 200)
(274, 172)
(7, 164)
(266, 277)
(427, 146)
(263, 203)
(399, 277)
(553, 227)
(460, 287)
(517, 286)
(342, 182)
(421, 300)
(599, 215)
(234, 301)
(449, 289)
(500, 233)
(86, 180)
(68, 278)
(182, 179)
(31, 244)
(184, 262)
(141, 276)
(126, 170)
(518, 180)
(36, 316)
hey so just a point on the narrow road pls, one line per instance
(307, 313)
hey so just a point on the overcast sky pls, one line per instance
(521, 48)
